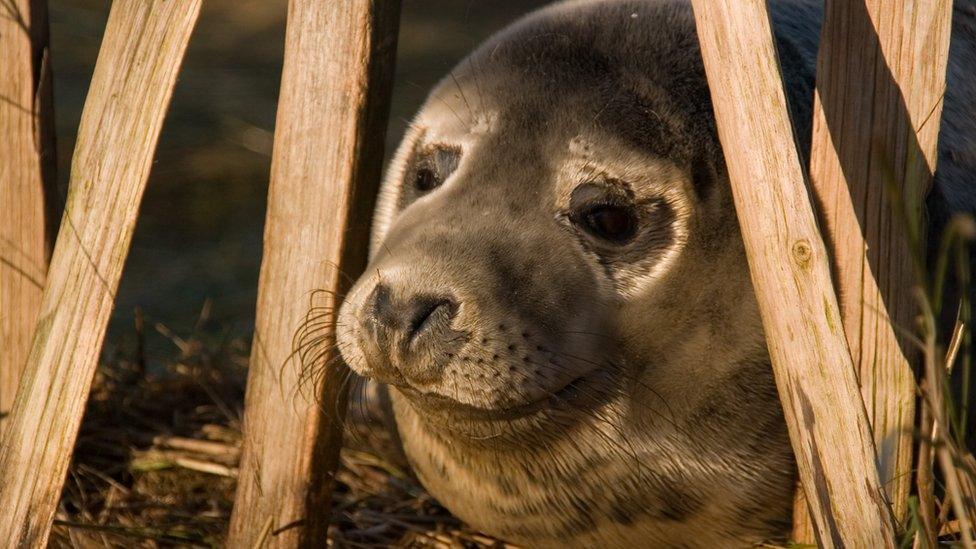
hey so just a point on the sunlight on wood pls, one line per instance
(141, 53)
(790, 271)
(328, 151)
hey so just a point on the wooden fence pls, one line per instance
(137, 66)
(26, 183)
(334, 100)
(325, 171)
(880, 76)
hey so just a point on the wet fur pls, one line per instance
(670, 432)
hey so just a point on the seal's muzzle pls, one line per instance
(410, 336)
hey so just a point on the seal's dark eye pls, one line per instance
(612, 223)
(434, 166)
(426, 179)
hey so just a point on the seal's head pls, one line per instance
(559, 297)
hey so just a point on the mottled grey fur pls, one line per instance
(652, 415)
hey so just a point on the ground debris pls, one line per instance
(157, 456)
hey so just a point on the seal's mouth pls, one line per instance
(440, 404)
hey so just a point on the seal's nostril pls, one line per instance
(427, 309)
(380, 306)
(410, 334)
(408, 317)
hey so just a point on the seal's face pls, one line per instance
(495, 294)
(558, 295)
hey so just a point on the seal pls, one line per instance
(558, 293)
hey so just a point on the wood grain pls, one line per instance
(137, 65)
(814, 373)
(880, 77)
(326, 164)
(27, 182)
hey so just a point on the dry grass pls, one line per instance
(156, 463)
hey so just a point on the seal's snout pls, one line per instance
(414, 329)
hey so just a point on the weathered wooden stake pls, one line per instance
(326, 166)
(140, 56)
(880, 78)
(790, 271)
(27, 182)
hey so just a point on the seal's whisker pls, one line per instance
(623, 371)
(365, 408)
(618, 392)
(582, 332)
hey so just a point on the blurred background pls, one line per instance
(198, 239)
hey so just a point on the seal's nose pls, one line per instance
(411, 329)
(413, 317)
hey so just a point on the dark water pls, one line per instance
(199, 232)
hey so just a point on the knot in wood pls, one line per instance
(802, 252)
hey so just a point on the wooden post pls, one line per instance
(326, 166)
(880, 77)
(27, 182)
(140, 56)
(790, 271)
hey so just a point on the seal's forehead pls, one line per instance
(551, 109)
(557, 72)
(451, 118)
